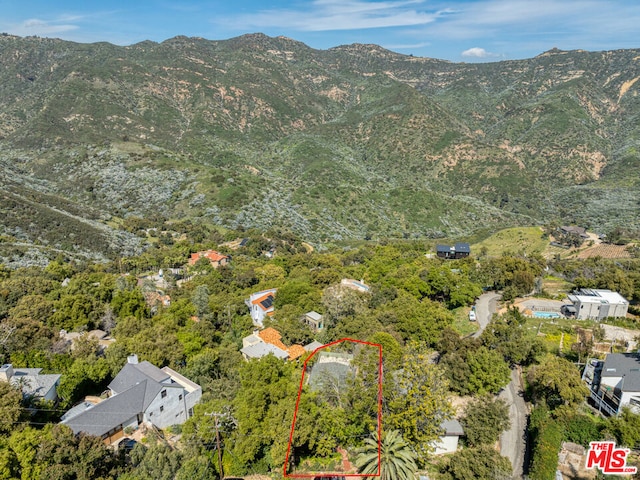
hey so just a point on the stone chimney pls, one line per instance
(132, 359)
(6, 372)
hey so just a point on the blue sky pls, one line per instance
(457, 30)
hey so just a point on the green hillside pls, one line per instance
(350, 143)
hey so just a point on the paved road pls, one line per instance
(486, 306)
(512, 441)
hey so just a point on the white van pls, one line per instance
(472, 316)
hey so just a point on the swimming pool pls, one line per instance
(546, 315)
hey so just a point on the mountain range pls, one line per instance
(353, 142)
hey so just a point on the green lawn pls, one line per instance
(517, 239)
(462, 324)
(556, 286)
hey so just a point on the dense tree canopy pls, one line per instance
(484, 420)
(414, 305)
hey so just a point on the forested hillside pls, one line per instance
(348, 143)
(416, 308)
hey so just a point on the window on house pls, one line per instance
(161, 408)
(163, 393)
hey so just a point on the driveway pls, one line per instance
(512, 441)
(486, 306)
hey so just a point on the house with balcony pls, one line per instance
(614, 383)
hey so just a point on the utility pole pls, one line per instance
(216, 419)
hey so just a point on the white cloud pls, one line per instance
(327, 15)
(519, 18)
(477, 52)
(36, 26)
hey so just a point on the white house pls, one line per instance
(261, 306)
(35, 385)
(140, 393)
(313, 320)
(448, 441)
(614, 383)
(598, 304)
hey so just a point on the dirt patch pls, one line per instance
(622, 336)
(571, 462)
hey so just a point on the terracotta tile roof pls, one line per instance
(212, 255)
(272, 336)
(296, 351)
(258, 301)
(270, 332)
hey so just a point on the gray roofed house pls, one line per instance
(330, 368)
(140, 393)
(459, 250)
(262, 349)
(575, 230)
(615, 383)
(123, 409)
(35, 385)
(462, 247)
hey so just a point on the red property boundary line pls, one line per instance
(295, 414)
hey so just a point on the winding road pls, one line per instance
(512, 441)
(486, 306)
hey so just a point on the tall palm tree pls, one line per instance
(397, 459)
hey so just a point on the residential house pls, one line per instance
(355, 284)
(459, 250)
(330, 369)
(153, 299)
(598, 304)
(71, 338)
(448, 441)
(269, 341)
(216, 259)
(615, 382)
(261, 306)
(574, 230)
(235, 244)
(313, 320)
(34, 385)
(141, 393)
